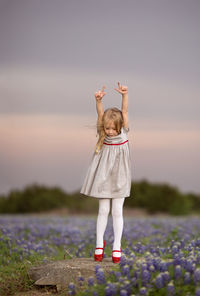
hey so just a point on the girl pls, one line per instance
(109, 174)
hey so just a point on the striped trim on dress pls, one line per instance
(115, 144)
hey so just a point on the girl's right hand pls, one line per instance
(100, 94)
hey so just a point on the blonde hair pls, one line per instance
(111, 114)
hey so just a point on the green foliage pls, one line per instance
(154, 197)
(161, 197)
(39, 198)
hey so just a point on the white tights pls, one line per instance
(117, 215)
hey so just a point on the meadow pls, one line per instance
(161, 255)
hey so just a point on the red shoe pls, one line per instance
(99, 257)
(116, 259)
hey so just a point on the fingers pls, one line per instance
(121, 89)
(117, 90)
(103, 88)
(99, 94)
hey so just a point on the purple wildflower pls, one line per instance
(159, 281)
(187, 278)
(189, 265)
(177, 272)
(118, 274)
(125, 270)
(166, 276)
(143, 291)
(123, 261)
(152, 268)
(163, 266)
(90, 281)
(71, 288)
(197, 291)
(146, 276)
(197, 276)
(170, 289)
(100, 276)
(97, 266)
(111, 289)
(123, 292)
(134, 282)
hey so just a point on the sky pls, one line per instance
(54, 55)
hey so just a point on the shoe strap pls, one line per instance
(116, 251)
(99, 248)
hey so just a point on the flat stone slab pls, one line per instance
(61, 273)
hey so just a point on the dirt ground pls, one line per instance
(38, 292)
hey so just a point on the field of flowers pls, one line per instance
(161, 256)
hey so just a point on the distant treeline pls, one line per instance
(153, 197)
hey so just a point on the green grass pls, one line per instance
(14, 276)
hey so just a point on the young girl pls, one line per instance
(109, 174)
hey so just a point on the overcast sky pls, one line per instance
(55, 54)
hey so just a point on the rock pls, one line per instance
(61, 273)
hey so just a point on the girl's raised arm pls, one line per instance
(123, 90)
(99, 106)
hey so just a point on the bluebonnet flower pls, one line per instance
(146, 276)
(159, 281)
(166, 276)
(197, 291)
(189, 265)
(198, 257)
(100, 276)
(152, 268)
(90, 281)
(97, 266)
(156, 262)
(187, 278)
(80, 280)
(143, 266)
(110, 289)
(125, 270)
(197, 242)
(177, 259)
(170, 289)
(126, 285)
(130, 263)
(177, 272)
(143, 291)
(118, 274)
(123, 261)
(163, 266)
(71, 288)
(123, 292)
(197, 276)
(132, 255)
(127, 251)
(134, 282)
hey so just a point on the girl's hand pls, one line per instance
(122, 89)
(100, 94)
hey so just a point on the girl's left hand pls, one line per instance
(122, 89)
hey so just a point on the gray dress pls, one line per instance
(109, 174)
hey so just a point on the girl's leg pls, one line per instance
(104, 209)
(117, 214)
